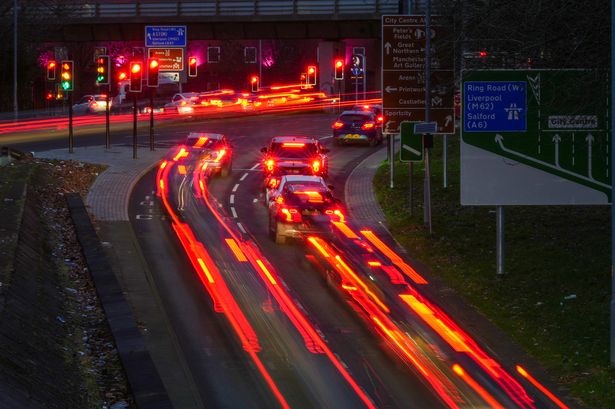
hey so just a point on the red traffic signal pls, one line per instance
(311, 75)
(254, 82)
(339, 69)
(122, 76)
(136, 76)
(49, 95)
(51, 70)
(153, 67)
(482, 54)
(192, 66)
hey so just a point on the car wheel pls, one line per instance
(279, 238)
(226, 170)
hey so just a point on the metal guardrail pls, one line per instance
(215, 8)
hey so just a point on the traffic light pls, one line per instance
(254, 82)
(49, 96)
(51, 70)
(136, 75)
(339, 69)
(311, 75)
(102, 70)
(192, 61)
(122, 76)
(67, 77)
(482, 53)
(152, 72)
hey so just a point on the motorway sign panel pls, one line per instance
(165, 36)
(170, 59)
(535, 137)
(403, 72)
(495, 106)
(411, 143)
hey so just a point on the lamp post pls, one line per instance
(15, 105)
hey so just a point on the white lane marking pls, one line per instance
(243, 230)
(232, 199)
(245, 175)
(234, 212)
(235, 188)
(256, 165)
(325, 137)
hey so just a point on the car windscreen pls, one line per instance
(202, 143)
(353, 117)
(298, 194)
(293, 150)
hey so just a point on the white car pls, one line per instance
(183, 102)
(92, 103)
(272, 193)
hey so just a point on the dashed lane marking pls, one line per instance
(232, 199)
(243, 230)
(235, 188)
(234, 212)
(243, 177)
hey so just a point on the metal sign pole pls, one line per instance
(134, 126)
(427, 190)
(499, 242)
(445, 160)
(392, 160)
(410, 172)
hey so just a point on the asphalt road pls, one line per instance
(308, 380)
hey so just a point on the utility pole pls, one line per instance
(612, 170)
(15, 104)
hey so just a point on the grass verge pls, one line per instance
(554, 299)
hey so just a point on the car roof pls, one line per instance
(303, 178)
(196, 135)
(304, 139)
(365, 113)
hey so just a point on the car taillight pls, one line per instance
(338, 125)
(316, 166)
(269, 164)
(336, 213)
(94, 104)
(380, 119)
(219, 154)
(292, 215)
(367, 125)
(273, 183)
(182, 103)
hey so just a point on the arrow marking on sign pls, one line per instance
(556, 140)
(448, 120)
(499, 139)
(387, 47)
(590, 141)
(411, 149)
(390, 89)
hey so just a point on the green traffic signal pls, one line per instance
(102, 69)
(66, 75)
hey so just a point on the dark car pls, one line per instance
(213, 149)
(357, 126)
(294, 155)
(302, 204)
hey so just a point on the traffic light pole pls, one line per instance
(134, 126)
(71, 142)
(107, 129)
(151, 119)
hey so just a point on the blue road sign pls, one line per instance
(165, 36)
(495, 106)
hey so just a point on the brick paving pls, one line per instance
(109, 195)
(359, 192)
